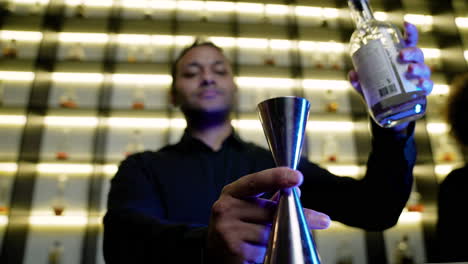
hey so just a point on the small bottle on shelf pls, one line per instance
(330, 149)
(135, 144)
(68, 99)
(132, 53)
(3, 196)
(62, 145)
(58, 204)
(56, 253)
(268, 57)
(80, 10)
(148, 11)
(76, 52)
(138, 98)
(404, 251)
(445, 150)
(374, 49)
(11, 49)
(331, 105)
(414, 203)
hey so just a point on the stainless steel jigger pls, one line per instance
(284, 120)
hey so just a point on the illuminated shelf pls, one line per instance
(181, 41)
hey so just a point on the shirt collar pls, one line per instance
(191, 143)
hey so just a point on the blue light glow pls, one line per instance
(417, 108)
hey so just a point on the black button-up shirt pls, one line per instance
(159, 203)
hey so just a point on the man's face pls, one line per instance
(204, 81)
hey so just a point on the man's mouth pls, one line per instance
(208, 93)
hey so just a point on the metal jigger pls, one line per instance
(284, 120)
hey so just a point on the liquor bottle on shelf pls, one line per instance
(334, 58)
(445, 150)
(62, 145)
(204, 14)
(35, 8)
(374, 47)
(68, 99)
(2, 92)
(404, 251)
(135, 144)
(80, 10)
(148, 52)
(58, 204)
(3, 196)
(318, 59)
(343, 253)
(148, 12)
(268, 57)
(76, 52)
(56, 253)
(132, 53)
(331, 105)
(330, 148)
(414, 203)
(139, 97)
(11, 49)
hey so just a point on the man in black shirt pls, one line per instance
(203, 200)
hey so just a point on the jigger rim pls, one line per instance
(281, 97)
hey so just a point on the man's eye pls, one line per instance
(189, 74)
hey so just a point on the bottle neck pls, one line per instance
(360, 11)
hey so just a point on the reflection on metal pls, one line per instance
(284, 120)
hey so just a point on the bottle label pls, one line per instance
(380, 74)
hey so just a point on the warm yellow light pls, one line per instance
(443, 170)
(224, 42)
(42, 2)
(246, 124)
(271, 9)
(70, 121)
(190, 5)
(315, 84)
(256, 43)
(110, 169)
(431, 53)
(142, 78)
(64, 168)
(98, 38)
(128, 122)
(164, 5)
(281, 44)
(466, 55)
(213, 6)
(462, 22)
(14, 120)
(330, 13)
(409, 217)
(345, 170)
(250, 8)
(69, 219)
(134, 3)
(8, 167)
(3, 220)
(330, 126)
(163, 40)
(440, 89)
(90, 3)
(309, 11)
(419, 19)
(32, 36)
(315, 46)
(77, 77)
(16, 76)
(133, 39)
(437, 128)
(177, 123)
(277, 83)
(382, 16)
(183, 40)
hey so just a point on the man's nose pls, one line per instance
(207, 78)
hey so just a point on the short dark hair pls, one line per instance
(196, 43)
(457, 103)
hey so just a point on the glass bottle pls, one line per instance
(10, 50)
(62, 145)
(330, 148)
(138, 98)
(3, 196)
(68, 99)
(56, 253)
(135, 144)
(404, 251)
(374, 49)
(58, 204)
(445, 150)
(268, 58)
(331, 105)
(76, 52)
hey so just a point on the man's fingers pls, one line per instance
(426, 84)
(316, 220)
(418, 70)
(270, 180)
(411, 54)
(411, 35)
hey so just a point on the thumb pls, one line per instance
(316, 220)
(354, 80)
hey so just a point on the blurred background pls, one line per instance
(84, 83)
